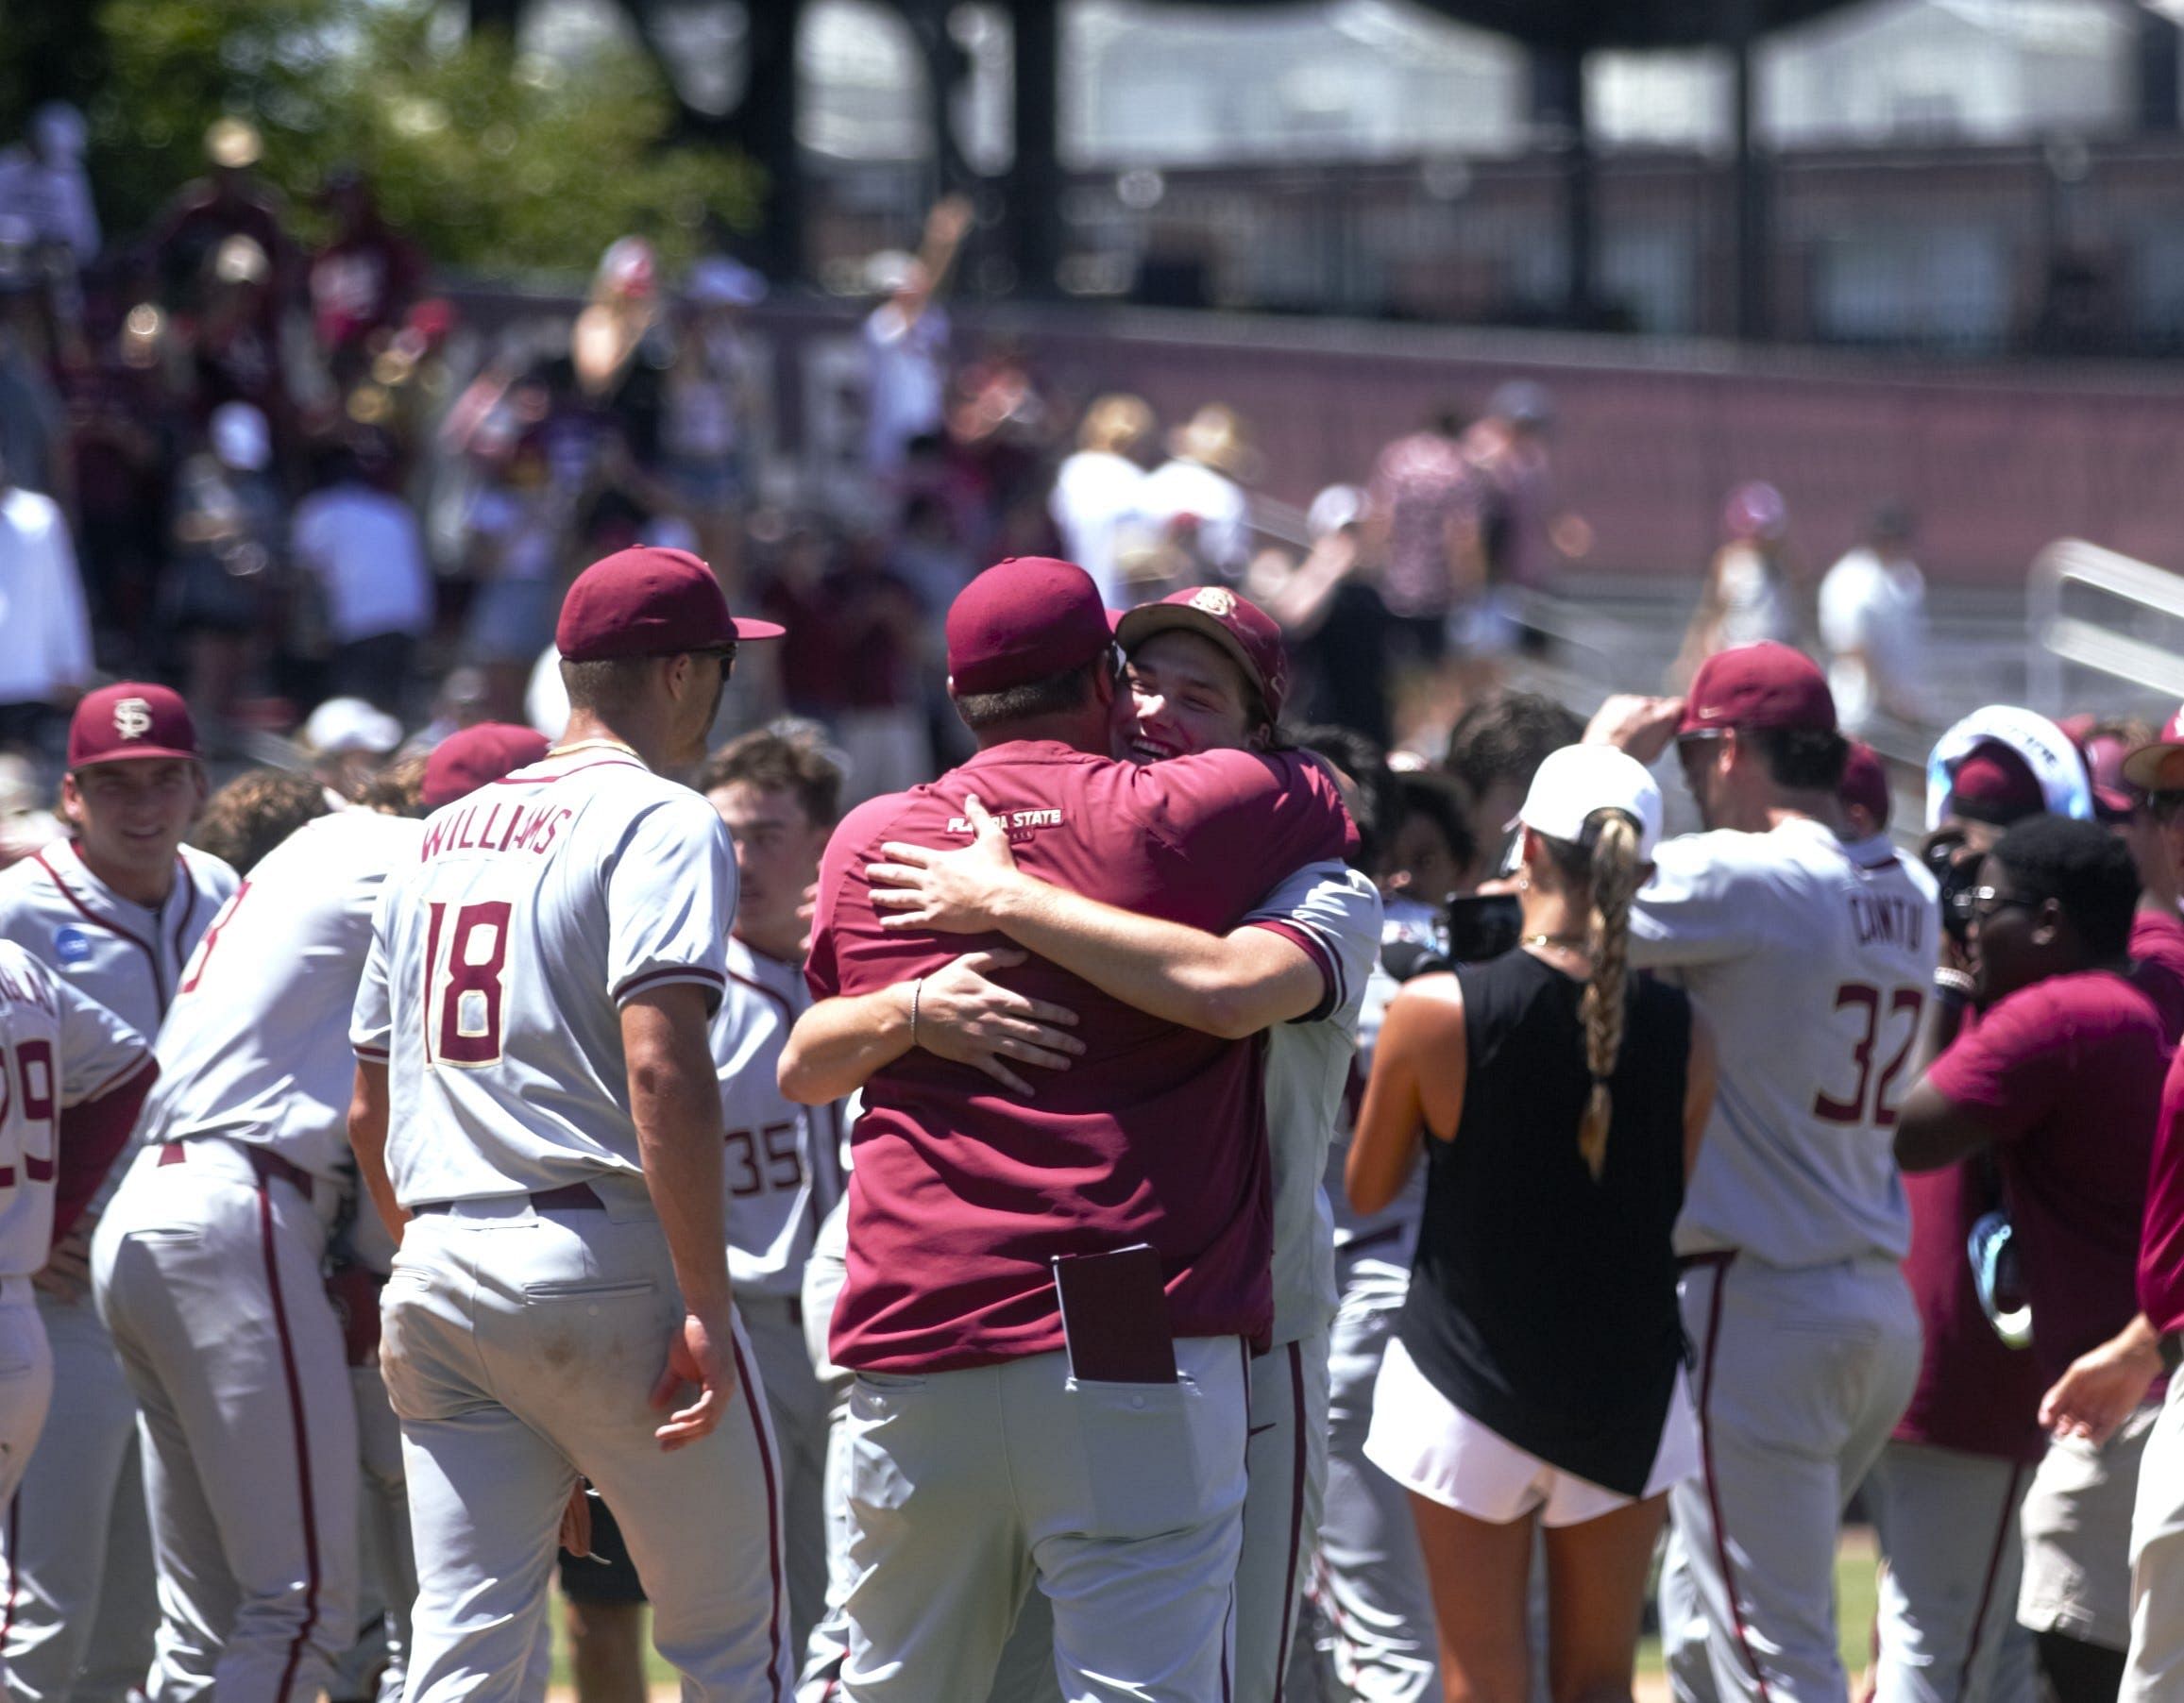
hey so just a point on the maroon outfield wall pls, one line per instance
(1997, 460)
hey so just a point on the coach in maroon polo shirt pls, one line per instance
(977, 1460)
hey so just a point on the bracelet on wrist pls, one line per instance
(917, 988)
(1949, 981)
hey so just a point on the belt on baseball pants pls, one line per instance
(266, 1165)
(569, 1197)
(2169, 1345)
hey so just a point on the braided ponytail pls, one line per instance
(1614, 880)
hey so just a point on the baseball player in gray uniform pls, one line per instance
(1814, 959)
(116, 910)
(779, 797)
(73, 1077)
(208, 1262)
(537, 1112)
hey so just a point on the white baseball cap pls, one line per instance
(1580, 780)
(341, 725)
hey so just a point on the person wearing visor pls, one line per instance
(1537, 1369)
(1812, 953)
(2061, 1077)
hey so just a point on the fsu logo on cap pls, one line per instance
(132, 718)
(1215, 601)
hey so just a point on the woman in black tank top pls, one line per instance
(1538, 1351)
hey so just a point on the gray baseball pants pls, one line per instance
(1801, 1374)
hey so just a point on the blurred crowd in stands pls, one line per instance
(293, 481)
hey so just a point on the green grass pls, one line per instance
(1855, 1600)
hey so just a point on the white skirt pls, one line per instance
(1427, 1444)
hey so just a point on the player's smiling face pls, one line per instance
(131, 815)
(1184, 695)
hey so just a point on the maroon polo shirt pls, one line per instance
(2162, 1246)
(961, 1195)
(2067, 1075)
(2158, 967)
(1974, 1393)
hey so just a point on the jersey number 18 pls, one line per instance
(466, 992)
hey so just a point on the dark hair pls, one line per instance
(1801, 759)
(1052, 695)
(771, 762)
(254, 813)
(2084, 868)
(1442, 800)
(604, 687)
(1506, 738)
(1376, 805)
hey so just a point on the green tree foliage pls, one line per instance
(493, 159)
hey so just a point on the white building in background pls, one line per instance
(1154, 84)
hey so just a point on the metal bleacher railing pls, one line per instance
(2091, 608)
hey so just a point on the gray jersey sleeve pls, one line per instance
(1339, 911)
(1699, 908)
(670, 898)
(98, 1049)
(371, 1026)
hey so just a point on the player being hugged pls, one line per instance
(1812, 956)
(1050, 1301)
(536, 1115)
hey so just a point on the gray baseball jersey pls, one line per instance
(783, 1172)
(1813, 960)
(58, 1047)
(1333, 913)
(255, 1047)
(499, 962)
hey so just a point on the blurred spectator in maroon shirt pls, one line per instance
(1424, 525)
(230, 201)
(363, 280)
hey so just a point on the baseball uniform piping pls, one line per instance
(15, 1573)
(1993, 1568)
(1721, 1264)
(302, 1429)
(672, 972)
(773, 1508)
(1296, 1478)
(786, 1015)
(151, 952)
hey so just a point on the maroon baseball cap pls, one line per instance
(2159, 766)
(1764, 685)
(464, 761)
(1239, 626)
(649, 601)
(1994, 784)
(134, 719)
(1866, 784)
(2115, 800)
(1025, 618)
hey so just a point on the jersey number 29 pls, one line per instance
(27, 1099)
(465, 994)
